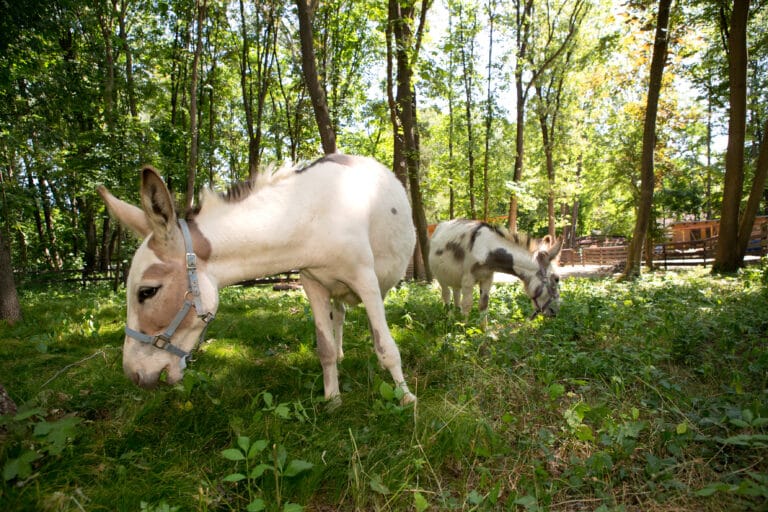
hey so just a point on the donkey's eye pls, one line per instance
(147, 292)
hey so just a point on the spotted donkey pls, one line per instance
(464, 252)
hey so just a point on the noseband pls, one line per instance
(546, 284)
(163, 340)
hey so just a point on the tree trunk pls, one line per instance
(728, 257)
(193, 125)
(451, 122)
(755, 196)
(10, 309)
(129, 82)
(467, 53)
(575, 210)
(519, 149)
(404, 116)
(52, 242)
(533, 64)
(647, 182)
(247, 91)
(309, 67)
(488, 110)
(89, 226)
(522, 25)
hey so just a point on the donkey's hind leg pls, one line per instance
(327, 347)
(366, 286)
(485, 296)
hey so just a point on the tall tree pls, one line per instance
(10, 309)
(200, 8)
(537, 47)
(491, 8)
(309, 67)
(733, 240)
(406, 44)
(467, 31)
(647, 181)
(265, 19)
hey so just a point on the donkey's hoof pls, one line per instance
(408, 398)
(333, 403)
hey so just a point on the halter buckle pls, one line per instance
(191, 261)
(161, 341)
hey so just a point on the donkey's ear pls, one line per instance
(127, 214)
(554, 251)
(158, 206)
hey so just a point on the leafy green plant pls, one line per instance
(258, 461)
(34, 439)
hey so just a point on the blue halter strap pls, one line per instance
(163, 340)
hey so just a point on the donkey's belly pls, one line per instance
(337, 289)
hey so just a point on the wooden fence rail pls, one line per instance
(694, 252)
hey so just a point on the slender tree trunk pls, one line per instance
(575, 210)
(89, 224)
(193, 125)
(467, 53)
(104, 249)
(129, 82)
(647, 182)
(755, 196)
(708, 207)
(451, 122)
(488, 109)
(546, 142)
(406, 51)
(264, 71)
(549, 98)
(246, 88)
(10, 309)
(50, 232)
(309, 67)
(105, 23)
(728, 257)
(35, 191)
(522, 24)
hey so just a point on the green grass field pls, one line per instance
(646, 396)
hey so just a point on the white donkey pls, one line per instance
(343, 221)
(464, 252)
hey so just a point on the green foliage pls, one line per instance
(647, 395)
(33, 438)
(250, 453)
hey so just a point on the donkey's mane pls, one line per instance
(520, 238)
(241, 190)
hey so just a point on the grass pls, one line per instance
(639, 396)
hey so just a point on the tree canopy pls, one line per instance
(210, 92)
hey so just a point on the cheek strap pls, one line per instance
(163, 340)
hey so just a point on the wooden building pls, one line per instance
(690, 231)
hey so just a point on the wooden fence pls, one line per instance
(694, 252)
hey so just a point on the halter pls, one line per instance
(163, 340)
(551, 289)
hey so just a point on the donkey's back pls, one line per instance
(355, 213)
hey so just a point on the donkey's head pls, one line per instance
(171, 298)
(544, 286)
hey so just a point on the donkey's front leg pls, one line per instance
(338, 313)
(366, 287)
(327, 348)
(467, 283)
